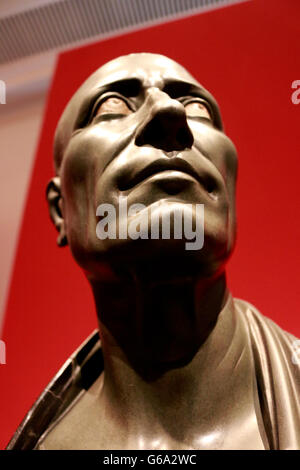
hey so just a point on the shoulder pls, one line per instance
(77, 375)
(276, 356)
(264, 326)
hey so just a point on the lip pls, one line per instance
(161, 165)
(171, 181)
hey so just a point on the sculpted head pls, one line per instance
(142, 128)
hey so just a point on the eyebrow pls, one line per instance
(177, 88)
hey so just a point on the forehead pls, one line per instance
(148, 68)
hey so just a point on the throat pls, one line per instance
(172, 325)
(158, 326)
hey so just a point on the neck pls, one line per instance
(156, 356)
(154, 323)
(157, 324)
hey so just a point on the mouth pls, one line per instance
(178, 165)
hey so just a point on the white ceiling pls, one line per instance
(11, 7)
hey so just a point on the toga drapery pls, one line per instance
(272, 364)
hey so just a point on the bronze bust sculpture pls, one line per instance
(181, 364)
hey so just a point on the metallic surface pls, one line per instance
(185, 366)
(269, 367)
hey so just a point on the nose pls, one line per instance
(165, 125)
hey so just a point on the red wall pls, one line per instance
(248, 56)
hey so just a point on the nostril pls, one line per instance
(167, 129)
(210, 186)
(147, 134)
(184, 137)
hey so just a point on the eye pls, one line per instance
(197, 108)
(112, 106)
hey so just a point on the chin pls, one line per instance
(204, 251)
(154, 259)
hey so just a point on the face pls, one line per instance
(142, 128)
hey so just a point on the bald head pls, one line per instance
(142, 128)
(128, 74)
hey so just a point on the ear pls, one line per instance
(55, 209)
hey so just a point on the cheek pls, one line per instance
(217, 147)
(83, 154)
(78, 186)
(220, 150)
(75, 177)
(84, 160)
(93, 148)
(230, 165)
